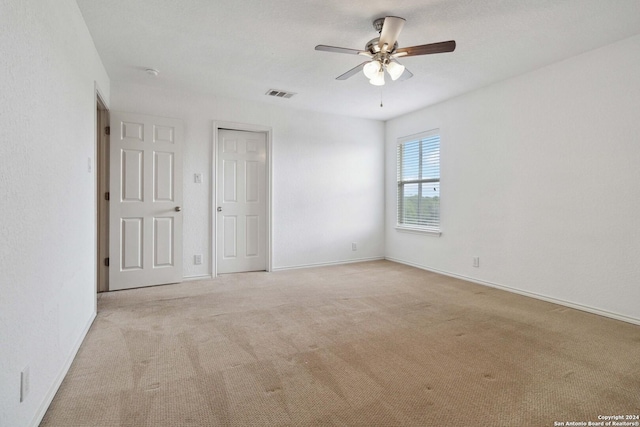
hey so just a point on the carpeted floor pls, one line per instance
(369, 344)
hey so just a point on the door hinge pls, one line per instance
(106, 195)
(107, 130)
(106, 262)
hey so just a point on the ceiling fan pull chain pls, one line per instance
(381, 96)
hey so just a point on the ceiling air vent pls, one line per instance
(279, 93)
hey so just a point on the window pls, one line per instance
(419, 182)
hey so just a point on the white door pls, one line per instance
(241, 223)
(145, 219)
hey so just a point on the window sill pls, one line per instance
(429, 231)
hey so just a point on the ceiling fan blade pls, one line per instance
(351, 72)
(390, 31)
(406, 75)
(335, 49)
(426, 49)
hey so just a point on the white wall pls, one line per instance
(540, 179)
(47, 238)
(328, 172)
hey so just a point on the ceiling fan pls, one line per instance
(384, 52)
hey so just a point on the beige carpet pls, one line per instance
(369, 344)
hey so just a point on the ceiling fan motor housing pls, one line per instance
(373, 47)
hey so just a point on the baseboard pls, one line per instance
(326, 264)
(37, 419)
(200, 277)
(569, 304)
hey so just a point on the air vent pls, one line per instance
(279, 93)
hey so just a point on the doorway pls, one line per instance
(102, 189)
(241, 199)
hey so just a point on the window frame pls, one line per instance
(401, 183)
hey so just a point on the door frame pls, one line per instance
(101, 185)
(267, 130)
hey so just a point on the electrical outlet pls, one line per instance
(197, 259)
(476, 261)
(24, 383)
(354, 246)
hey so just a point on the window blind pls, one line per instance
(419, 181)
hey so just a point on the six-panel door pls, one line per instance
(241, 202)
(145, 223)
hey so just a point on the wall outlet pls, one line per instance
(197, 259)
(354, 246)
(476, 261)
(24, 383)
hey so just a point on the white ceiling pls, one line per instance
(242, 48)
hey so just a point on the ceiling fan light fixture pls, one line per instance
(395, 70)
(378, 79)
(371, 69)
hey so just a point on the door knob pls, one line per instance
(219, 209)
(178, 208)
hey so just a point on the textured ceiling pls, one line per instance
(242, 48)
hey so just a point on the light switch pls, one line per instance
(197, 178)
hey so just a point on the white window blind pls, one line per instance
(419, 181)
